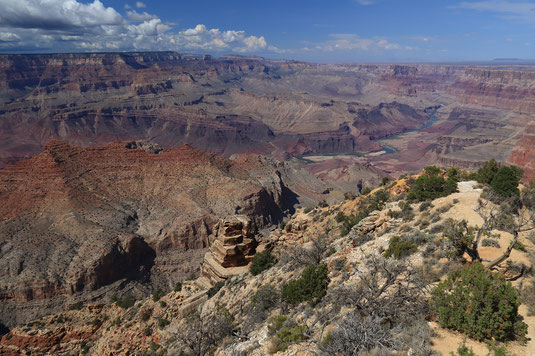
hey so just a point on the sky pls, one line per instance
(337, 31)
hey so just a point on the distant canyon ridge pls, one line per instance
(284, 109)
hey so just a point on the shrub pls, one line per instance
(519, 246)
(463, 350)
(505, 182)
(361, 240)
(478, 303)
(264, 300)
(443, 209)
(425, 205)
(454, 173)
(163, 304)
(147, 331)
(84, 347)
(158, 294)
(339, 263)
(385, 181)
(323, 204)
(394, 214)
(162, 323)
(486, 173)
(213, 291)
(76, 306)
(490, 243)
(178, 287)
(311, 286)
(366, 191)
(145, 314)
(339, 217)
(400, 247)
(369, 204)
(125, 302)
(429, 187)
(431, 171)
(262, 261)
(528, 296)
(287, 331)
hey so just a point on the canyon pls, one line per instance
(284, 109)
(84, 223)
(117, 168)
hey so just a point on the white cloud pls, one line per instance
(56, 14)
(139, 17)
(140, 5)
(524, 11)
(500, 6)
(67, 25)
(352, 42)
(9, 37)
(201, 38)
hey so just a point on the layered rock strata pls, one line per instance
(232, 247)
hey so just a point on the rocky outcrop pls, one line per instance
(233, 243)
(232, 246)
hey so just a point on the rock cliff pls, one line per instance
(77, 220)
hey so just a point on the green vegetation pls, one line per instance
(519, 246)
(454, 174)
(124, 302)
(486, 174)
(76, 306)
(162, 323)
(178, 287)
(158, 294)
(490, 243)
(372, 202)
(463, 350)
(431, 186)
(366, 191)
(505, 182)
(480, 304)
(286, 331)
(400, 247)
(262, 261)
(311, 286)
(213, 291)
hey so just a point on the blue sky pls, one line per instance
(323, 31)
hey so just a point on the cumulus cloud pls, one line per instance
(140, 17)
(56, 14)
(201, 38)
(67, 25)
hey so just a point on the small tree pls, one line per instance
(311, 286)
(478, 303)
(505, 182)
(514, 215)
(202, 334)
(262, 261)
(486, 173)
(431, 186)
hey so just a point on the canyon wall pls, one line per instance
(78, 220)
